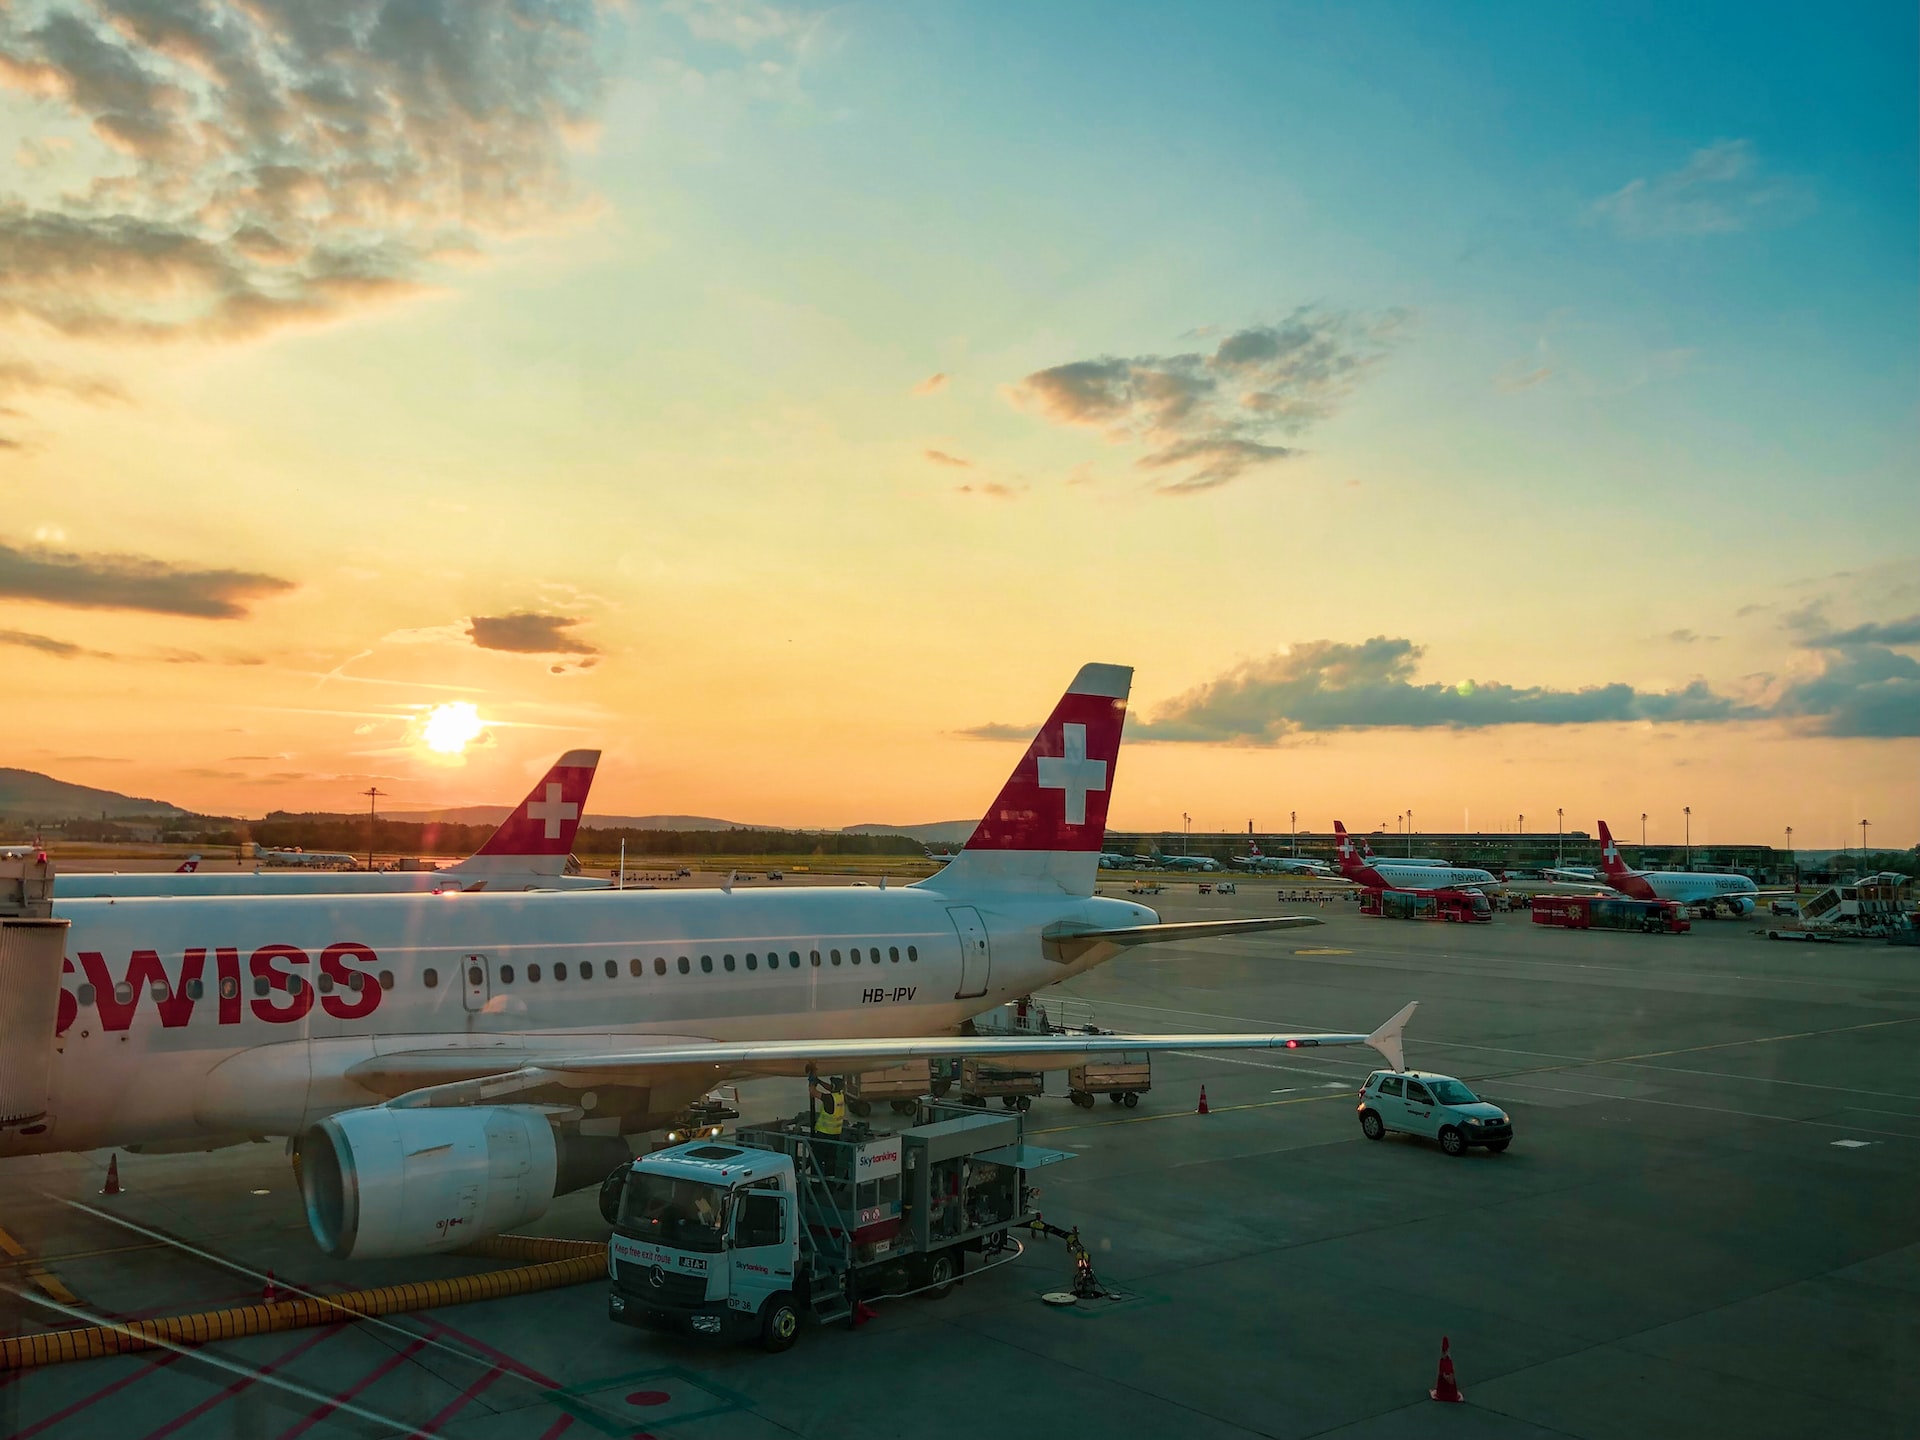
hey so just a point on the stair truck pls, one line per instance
(751, 1236)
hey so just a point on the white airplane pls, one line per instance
(1189, 862)
(1392, 875)
(450, 1063)
(529, 851)
(1262, 864)
(1736, 892)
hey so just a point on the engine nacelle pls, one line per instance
(1739, 906)
(380, 1182)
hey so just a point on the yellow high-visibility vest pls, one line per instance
(828, 1117)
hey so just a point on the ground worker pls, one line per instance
(830, 1107)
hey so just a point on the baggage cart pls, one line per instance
(1015, 1088)
(901, 1086)
(1122, 1078)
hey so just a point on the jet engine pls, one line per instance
(380, 1182)
(1738, 906)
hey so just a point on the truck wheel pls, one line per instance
(1023, 1103)
(906, 1107)
(862, 1108)
(1081, 1099)
(939, 1275)
(1372, 1126)
(1133, 1100)
(1115, 1096)
(779, 1323)
(1453, 1140)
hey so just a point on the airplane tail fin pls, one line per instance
(188, 865)
(537, 837)
(1610, 862)
(1352, 867)
(1044, 831)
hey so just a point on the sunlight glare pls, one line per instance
(450, 728)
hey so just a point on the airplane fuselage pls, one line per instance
(188, 1020)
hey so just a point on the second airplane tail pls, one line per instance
(537, 836)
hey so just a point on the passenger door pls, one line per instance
(1421, 1111)
(1389, 1100)
(975, 958)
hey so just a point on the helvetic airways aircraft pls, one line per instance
(1736, 892)
(528, 852)
(1385, 875)
(452, 1062)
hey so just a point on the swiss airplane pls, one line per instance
(1386, 875)
(1736, 892)
(449, 1063)
(528, 852)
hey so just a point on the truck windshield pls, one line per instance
(681, 1214)
(1452, 1092)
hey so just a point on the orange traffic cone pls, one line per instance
(112, 1187)
(271, 1295)
(1445, 1387)
(1202, 1110)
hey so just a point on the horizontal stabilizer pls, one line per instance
(1067, 943)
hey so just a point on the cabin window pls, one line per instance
(727, 960)
(753, 961)
(559, 970)
(635, 968)
(158, 989)
(506, 974)
(835, 955)
(893, 953)
(430, 977)
(325, 985)
(793, 959)
(706, 964)
(259, 985)
(913, 953)
(816, 957)
(296, 984)
(356, 982)
(873, 955)
(85, 993)
(196, 987)
(613, 969)
(685, 965)
(659, 964)
(854, 955)
(533, 974)
(386, 979)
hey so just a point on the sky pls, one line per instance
(1478, 413)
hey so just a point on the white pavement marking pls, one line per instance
(1853, 1144)
(1508, 1084)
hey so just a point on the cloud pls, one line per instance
(932, 385)
(281, 161)
(1208, 418)
(999, 732)
(130, 582)
(1891, 632)
(1326, 685)
(525, 633)
(47, 645)
(1514, 378)
(988, 487)
(19, 376)
(1860, 691)
(1719, 190)
(941, 457)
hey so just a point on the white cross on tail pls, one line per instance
(1073, 772)
(553, 809)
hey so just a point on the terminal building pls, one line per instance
(1766, 864)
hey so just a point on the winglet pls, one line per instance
(1388, 1038)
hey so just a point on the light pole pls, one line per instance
(1792, 861)
(1523, 824)
(1643, 836)
(1409, 832)
(373, 793)
(1560, 836)
(1863, 847)
(1686, 812)
(1293, 828)
(1186, 832)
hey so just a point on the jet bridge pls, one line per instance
(32, 946)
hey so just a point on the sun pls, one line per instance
(450, 728)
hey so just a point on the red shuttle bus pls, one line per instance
(1607, 912)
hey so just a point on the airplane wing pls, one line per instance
(719, 1060)
(1069, 942)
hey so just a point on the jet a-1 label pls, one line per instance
(284, 990)
(881, 995)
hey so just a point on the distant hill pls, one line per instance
(494, 814)
(939, 832)
(31, 795)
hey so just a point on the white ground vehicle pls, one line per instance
(1436, 1106)
(754, 1234)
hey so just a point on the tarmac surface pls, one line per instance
(1707, 1225)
